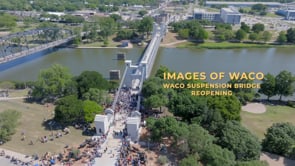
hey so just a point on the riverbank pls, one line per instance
(96, 46)
(227, 45)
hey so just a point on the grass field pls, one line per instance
(227, 45)
(258, 123)
(30, 123)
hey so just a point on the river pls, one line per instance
(272, 60)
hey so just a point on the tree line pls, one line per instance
(193, 29)
(69, 5)
(206, 129)
(78, 98)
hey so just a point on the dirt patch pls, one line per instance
(276, 160)
(256, 108)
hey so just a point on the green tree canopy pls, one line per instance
(291, 35)
(142, 13)
(8, 123)
(241, 34)
(282, 38)
(90, 79)
(7, 21)
(266, 36)
(258, 27)
(98, 95)
(284, 83)
(68, 110)
(253, 36)
(214, 155)
(235, 137)
(189, 161)
(90, 109)
(228, 106)
(52, 83)
(245, 27)
(146, 25)
(187, 106)
(268, 86)
(280, 139)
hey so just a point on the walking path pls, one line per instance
(113, 145)
(12, 98)
(6, 161)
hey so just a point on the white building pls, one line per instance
(230, 16)
(103, 122)
(202, 14)
(133, 125)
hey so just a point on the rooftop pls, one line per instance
(230, 11)
(133, 120)
(100, 118)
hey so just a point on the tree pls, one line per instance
(198, 139)
(280, 139)
(155, 101)
(98, 95)
(259, 7)
(258, 27)
(238, 139)
(160, 72)
(268, 86)
(116, 17)
(241, 34)
(228, 106)
(214, 155)
(146, 25)
(252, 163)
(266, 36)
(284, 84)
(282, 38)
(245, 27)
(69, 110)
(142, 13)
(184, 33)
(166, 127)
(253, 36)
(72, 19)
(52, 83)
(7, 21)
(187, 106)
(90, 109)
(107, 26)
(8, 123)
(90, 79)
(243, 94)
(291, 35)
(189, 161)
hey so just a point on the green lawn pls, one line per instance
(258, 123)
(227, 45)
(30, 122)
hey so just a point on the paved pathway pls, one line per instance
(113, 143)
(6, 162)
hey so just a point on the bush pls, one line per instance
(8, 123)
(162, 160)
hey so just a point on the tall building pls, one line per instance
(202, 14)
(230, 16)
(288, 13)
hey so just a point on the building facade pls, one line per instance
(288, 13)
(230, 16)
(201, 14)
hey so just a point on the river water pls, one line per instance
(272, 60)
